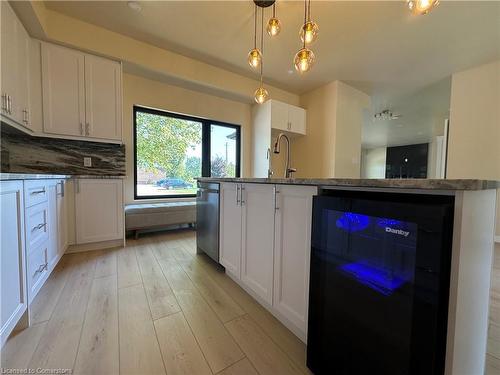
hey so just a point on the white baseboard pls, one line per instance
(94, 246)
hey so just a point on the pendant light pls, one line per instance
(304, 59)
(310, 29)
(421, 7)
(261, 94)
(274, 24)
(255, 55)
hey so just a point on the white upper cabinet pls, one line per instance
(230, 228)
(22, 101)
(63, 90)
(279, 115)
(15, 45)
(81, 94)
(287, 117)
(9, 57)
(99, 207)
(103, 93)
(257, 239)
(296, 120)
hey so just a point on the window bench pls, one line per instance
(141, 217)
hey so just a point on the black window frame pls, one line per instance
(205, 146)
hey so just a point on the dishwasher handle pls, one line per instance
(205, 190)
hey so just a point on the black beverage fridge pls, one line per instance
(379, 284)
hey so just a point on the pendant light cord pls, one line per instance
(255, 27)
(305, 11)
(261, 43)
(309, 10)
(305, 20)
(274, 10)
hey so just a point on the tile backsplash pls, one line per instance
(22, 153)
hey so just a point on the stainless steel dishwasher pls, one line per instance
(207, 219)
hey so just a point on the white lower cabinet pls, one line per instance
(38, 268)
(12, 257)
(257, 201)
(230, 228)
(265, 246)
(57, 221)
(62, 218)
(99, 208)
(45, 225)
(292, 249)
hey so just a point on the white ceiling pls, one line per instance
(375, 46)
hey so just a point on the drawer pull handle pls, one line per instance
(38, 192)
(39, 226)
(41, 268)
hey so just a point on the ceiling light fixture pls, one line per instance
(421, 7)
(274, 24)
(261, 94)
(310, 29)
(304, 59)
(255, 55)
(386, 115)
(135, 6)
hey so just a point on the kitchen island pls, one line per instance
(266, 226)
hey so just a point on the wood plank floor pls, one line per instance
(155, 307)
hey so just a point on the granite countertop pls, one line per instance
(424, 184)
(32, 176)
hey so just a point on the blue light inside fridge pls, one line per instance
(376, 252)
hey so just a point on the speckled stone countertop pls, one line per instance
(31, 176)
(424, 184)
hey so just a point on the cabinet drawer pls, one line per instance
(37, 230)
(38, 269)
(34, 192)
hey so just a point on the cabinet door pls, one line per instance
(35, 115)
(52, 253)
(9, 58)
(103, 116)
(257, 239)
(62, 240)
(279, 115)
(230, 228)
(13, 258)
(292, 248)
(22, 99)
(98, 210)
(63, 90)
(297, 119)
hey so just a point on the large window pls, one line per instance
(171, 150)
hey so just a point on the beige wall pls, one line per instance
(373, 162)
(474, 139)
(144, 92)
(351, 105)
(312, 154)
(332, 147)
